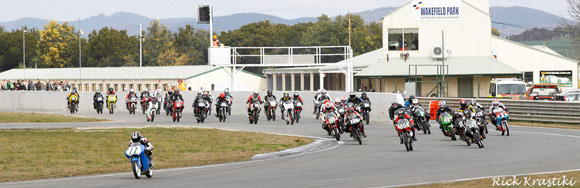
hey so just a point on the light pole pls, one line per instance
(24, 31)
(80, 59)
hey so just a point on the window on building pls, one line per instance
(156, 86)
(403, 39)
(148, 86)
(116, 86)
(138, 87)
(528, 77)
(164, 87)
(123, 87)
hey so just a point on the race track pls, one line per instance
(380, 161)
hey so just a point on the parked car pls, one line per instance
(548, 92)
(572, 95)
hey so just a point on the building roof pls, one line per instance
(529, 47)
(458, 66)
(109, 73)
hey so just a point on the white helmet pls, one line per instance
(337, 100)
(145, 89)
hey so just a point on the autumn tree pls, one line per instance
(157, 41)
(495, 32)
(54, 41)
(192, 44)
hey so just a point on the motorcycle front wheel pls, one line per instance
(136, 169)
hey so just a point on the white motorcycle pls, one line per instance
(152, 110)
(289, 109)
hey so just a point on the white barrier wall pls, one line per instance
(56, 101)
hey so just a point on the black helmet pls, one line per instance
(401, 113)
(136, 137)
(177, 91)
(269, 92)
(296, 95)
(463, 103)
(411, 98)
(364, 94)
(467, 114)
(110, 89)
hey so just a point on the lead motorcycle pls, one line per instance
(288, 107)
(472, 133)
(406, 134)
(355, 127)
(177, 109)
(200, 112)
(222, 111)
(139, 160)
(271, 110)
(297, 111)
(132, 105)
(446, 121)
(99, 105)
(331, 121)
(73, 104)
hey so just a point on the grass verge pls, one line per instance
(54, 153)
(542, 180)
(19, 117)
(548, 125)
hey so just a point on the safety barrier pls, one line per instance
(526, 110)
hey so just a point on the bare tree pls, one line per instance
(574, 9)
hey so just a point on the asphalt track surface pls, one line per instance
(380, 161)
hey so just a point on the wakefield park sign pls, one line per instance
(436, 9)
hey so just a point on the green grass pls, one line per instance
(53, 153)
(18, 117)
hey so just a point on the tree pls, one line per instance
(192, 43)
(172, 58)
(495, 32)
(11, 49)
(111, 48)
(54, 42)
(157, 41)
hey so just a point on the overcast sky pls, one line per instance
(73, 9)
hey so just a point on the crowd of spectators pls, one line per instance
(29, 85)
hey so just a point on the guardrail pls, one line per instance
(526, 110)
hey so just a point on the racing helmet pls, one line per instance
(131, 91)
(394, 103)
(328, 106)
(227, 91)
(256, 93)
(198, 93)
(343, 99)
(296, 95)
(363, 95)
(495, 102)
(473, 102)
(467, 114)
(352, 95)
(98, 91)
(286, 94)
(145, 89)
(323, 91)
(442, 104)
(337, 101)
(136, 136)
(269, 92)
(222, 95)
(415, 102)
(401, 113)
(463, 103)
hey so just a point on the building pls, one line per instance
(125, 78)
(446, 45)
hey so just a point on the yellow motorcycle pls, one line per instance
(111, 103)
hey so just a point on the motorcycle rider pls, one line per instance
(409, 102)
(71, 94)
(354, 99)
(136, 137)
(463, 106)
(320, 97)
(130, 95)
(298, 98)
(496, 104)
(414, 105)
(394, 107)
(285, 97)
(153, 100)
(145, 94)
(269, 97)
(230, 99)
(473, 105)
(176, 95)
(111, 92)
(364, 97)
(95, 97)
(218, 102)
(351, 110)
(209, 97)
(328, 108)
(343, 100)
(402, 114)
(256, 95)
(442, 109)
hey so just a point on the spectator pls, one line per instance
(30, 86)
(38, 85)
(372, 89)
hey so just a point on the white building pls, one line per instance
(125, 78)
(418, 34)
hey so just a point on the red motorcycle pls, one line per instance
(177, 109)
(331, 125)
(404, 128)
(297, 110)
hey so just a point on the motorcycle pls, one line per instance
(255, 111)
(168, 105)
(406, 134)
(288, 107)
(472, 133)
(99, 105)
(177, 109)
(365, 108)
(502, 118)
(111, 103)
(355, 125)
(480, 118)
(331, 121)
(271, 111)
(132, 105)
(73, 104)
(317, 106)
(144, 103)
(201, 111)
(139, 160)
(297, 111)
(152, 106)
(460, 129)
(159, 102)
(421, 120)
(341, 109)
(222, 111)
(445, 119)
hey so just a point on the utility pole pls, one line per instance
(442, 93)
(24, 31)
(349, 31)
(140, 44)
(80, 57)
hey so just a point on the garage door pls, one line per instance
(465, 87)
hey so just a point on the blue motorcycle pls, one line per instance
(139, 161)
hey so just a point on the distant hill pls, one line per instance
(519, 16)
